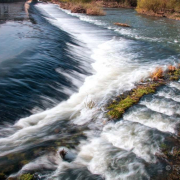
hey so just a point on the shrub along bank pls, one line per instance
(88, 7)
(164, 8)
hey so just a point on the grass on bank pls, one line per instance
(93, 9)
(159, 5)
(168, 8)
(125, 3)
(82, 6)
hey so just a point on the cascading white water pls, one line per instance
(121, 148)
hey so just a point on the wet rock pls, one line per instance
(121, 24)
(67, 155)
(36, 176)
(57, 131)
(12, 178)
(63, 153)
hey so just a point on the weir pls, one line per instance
(53, 99)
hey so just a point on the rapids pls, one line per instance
(59, 70)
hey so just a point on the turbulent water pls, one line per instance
(59, 70)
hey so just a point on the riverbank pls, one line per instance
(116, 4)
(165, 13)
(157, 8)
(93, 8)
(90, 8)
(169, 9)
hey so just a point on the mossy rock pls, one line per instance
(174, 78)
(58, 143)
(26, 177)
(177, 72)
(23, 162)
(163, 146)
(117, 109)
(11, 157)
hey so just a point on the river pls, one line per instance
(58, 72)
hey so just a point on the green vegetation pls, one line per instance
(124, 3)
(165, 8)
(76, 1)
(23, 162)
(89, 7)
(168, 6)
(117, 109)
(126, 100)
(26, 177)
(174, 78)
(163, 146)
(159, 5)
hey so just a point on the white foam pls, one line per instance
(152, 120)
(170, 94)
(162, 106)
(141, 140)
(175, 85)
(111, 162)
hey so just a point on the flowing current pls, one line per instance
(58, 72)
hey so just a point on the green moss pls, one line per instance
(23, 162)
(126, 100)
(58, 143)
(115, 113)
(159, 5)
(174, 78)
(163, 146)
(11, 157)
(145, 90)
(117, 109)
(177, 72)
(26, 176)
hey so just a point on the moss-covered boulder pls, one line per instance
(26, 177)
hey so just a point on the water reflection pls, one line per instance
(13, 11)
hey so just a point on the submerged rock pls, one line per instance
(121, 24)
(63, 153)
(67, 155)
